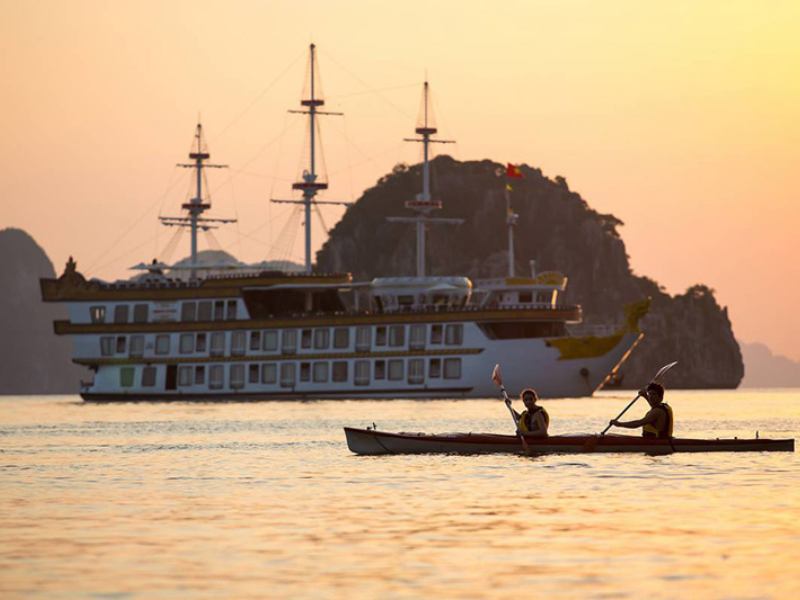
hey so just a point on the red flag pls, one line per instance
(513, 171)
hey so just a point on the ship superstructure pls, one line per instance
(275, 335)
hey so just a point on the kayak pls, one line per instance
(372, 442)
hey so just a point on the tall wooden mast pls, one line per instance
(423, 205)
(310, 186)
(196, 206)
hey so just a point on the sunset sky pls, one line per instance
(681, 118)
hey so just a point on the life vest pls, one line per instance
(651, 430)
(525, 423)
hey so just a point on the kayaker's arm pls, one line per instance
(650, 417)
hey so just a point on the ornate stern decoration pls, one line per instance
(592, 346)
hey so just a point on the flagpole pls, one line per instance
(510, 221)
(511, 216)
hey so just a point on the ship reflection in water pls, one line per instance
(265, 500)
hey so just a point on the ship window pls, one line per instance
(136, 347)
(341, 337)
(270, 340)
(289, 341)
(186, 343)
(148, 377)
(200, 346)
(97, 314)
(269, 373)
(416, 370)
(237, 377)
(184, 376)
(238, 339)
(395, 370)
(162, 344)
(287, 374)
(519, 330)
(454, 335)
(436, 334)
(525, 297)
(204, 310)
(199, 375)
(188, 310)
(544, 297)
(121, 313)
(452, 368)
(252, 373)
(363, 339)
(380, 336)
(417, 337)
(322, 338)
(435, 368)
(339, 370)
(305, 371)
(397, 335)
(140, 313)
(231, 313)
(361, 376)
(126, 376)
(320, 372)
(216, 377)
(255, 340)
(217, 343)
(219, 310)
(120, 344)
(380, 369)
(305, 338)
(106, 346)
(405, 301)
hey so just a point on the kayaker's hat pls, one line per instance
(529, 392)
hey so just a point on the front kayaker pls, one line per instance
(534, 420)
(657, 423)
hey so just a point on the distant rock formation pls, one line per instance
(558, 230)
(764, 369)
(226, 263)
(33, 360)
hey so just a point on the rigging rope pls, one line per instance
(260, 95)
(366, 87)
(172, 182)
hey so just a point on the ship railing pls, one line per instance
(593, 329)
(431, 310)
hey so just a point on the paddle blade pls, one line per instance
(497, 376)
(662, 371)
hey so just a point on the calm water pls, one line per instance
(265, 500)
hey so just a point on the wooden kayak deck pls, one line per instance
(372, 442)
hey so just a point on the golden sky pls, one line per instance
(681, 118)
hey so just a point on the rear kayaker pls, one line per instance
(373, 442)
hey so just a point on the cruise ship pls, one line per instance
(197, 333)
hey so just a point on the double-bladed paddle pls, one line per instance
(655, 379)
(497, 378)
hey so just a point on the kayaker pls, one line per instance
(534, 420)
(657, 423)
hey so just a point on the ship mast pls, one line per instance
(423, 205)
(196, 206)
(310, 186)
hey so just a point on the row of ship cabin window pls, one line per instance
(205, 310)
(288, 374)
(267, 340)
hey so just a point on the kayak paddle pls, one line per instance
(497, 378)
(655, 379)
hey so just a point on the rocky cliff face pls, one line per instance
(33, 360)
(558, 230)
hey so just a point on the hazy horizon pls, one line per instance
(681, 120)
